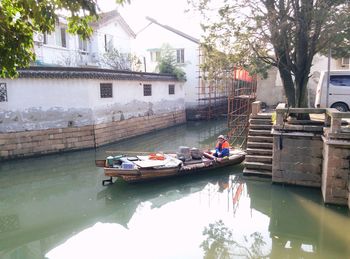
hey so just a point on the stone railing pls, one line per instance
(333, 117)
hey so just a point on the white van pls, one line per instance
(339, 90)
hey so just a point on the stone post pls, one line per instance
(256, 107)
(280, 113)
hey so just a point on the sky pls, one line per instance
(168, 12)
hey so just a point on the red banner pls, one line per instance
(241, 74)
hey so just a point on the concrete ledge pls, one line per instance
(293, 127)
(336, 142)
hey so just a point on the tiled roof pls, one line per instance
(114, 14)
(182, 34)
(91, 73)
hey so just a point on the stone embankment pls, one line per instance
(38, 142)
(310, 153)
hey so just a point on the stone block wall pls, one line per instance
(335, 174)
(336, 171)
(118, 130)
(349, 191)
(297, 158)
(38, 142)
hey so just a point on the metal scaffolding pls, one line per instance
(212, 93)
(240, 97)
(228, 93)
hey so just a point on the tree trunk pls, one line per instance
(288, 86)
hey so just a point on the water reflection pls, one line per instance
(193, 134)
(55, 206)
(219, 243)
(48, 199)
(301, 226)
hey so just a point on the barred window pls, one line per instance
(147, 90)
(171, 89)
(106, 90)
(3, 92)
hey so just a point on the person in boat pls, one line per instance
(222, 148)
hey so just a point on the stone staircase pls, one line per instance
(258, 161)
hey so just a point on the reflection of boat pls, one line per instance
(143, 168)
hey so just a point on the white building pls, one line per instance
(64, 49)
(154, 36)
(112, 32)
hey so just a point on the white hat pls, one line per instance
(222, 136)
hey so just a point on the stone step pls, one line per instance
(256, 158)
(257, 172)
(260, 121)
(268, 139)
(259, 145)
(260, 127)
(258, 166)
(253, 132)
(267, 116)
(261, 152)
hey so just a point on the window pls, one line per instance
(106, 90)
(60, 35)
(147, 90)
(45, 41)
(83, 45)
(155, 55)
(340, 80)
(63, 37)
(3, 92)
(345, 62)
(108, 42)
(180, 56)
(171, 89)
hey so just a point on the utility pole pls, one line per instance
(328, 76)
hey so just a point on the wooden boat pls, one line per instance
(144, 168)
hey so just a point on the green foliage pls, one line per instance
(20, 19)
(167, 63)
(121, 61)
(256, 34)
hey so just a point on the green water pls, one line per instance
(55, 207)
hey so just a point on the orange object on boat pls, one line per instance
(156, 157)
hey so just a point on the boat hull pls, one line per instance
(147, 174)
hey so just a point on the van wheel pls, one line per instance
(342, 107)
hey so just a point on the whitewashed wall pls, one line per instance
(35, 104)
(154, 37)
(121, 39)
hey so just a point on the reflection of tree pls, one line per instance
(220, 244)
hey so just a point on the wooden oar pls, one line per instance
(207, 155)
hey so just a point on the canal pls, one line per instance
(55, 207)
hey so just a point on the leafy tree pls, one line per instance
(121, 61)
(20, 19)
(168, 65)
(282, 33)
